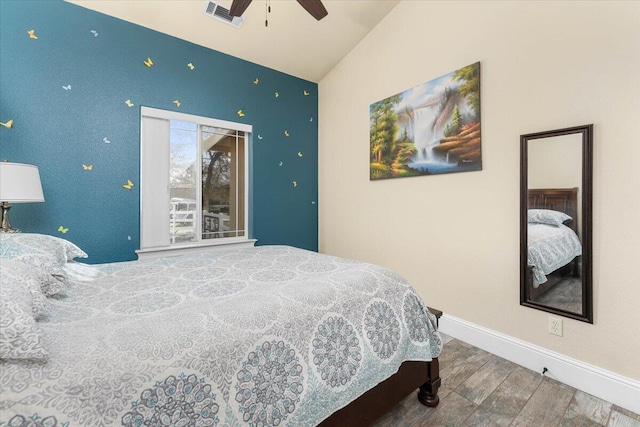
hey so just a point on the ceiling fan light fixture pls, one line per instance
(314, 7)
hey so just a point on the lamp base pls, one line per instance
(6, 226)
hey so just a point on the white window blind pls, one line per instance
(154, 182)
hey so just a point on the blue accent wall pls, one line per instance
(60, 129)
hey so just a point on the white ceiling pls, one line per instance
(294, 42)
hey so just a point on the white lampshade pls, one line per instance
(20, 183)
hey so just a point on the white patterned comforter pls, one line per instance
(550, 247)
(263, 336)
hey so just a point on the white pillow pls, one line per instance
(20, 338)
(33, 278)
(546, 216)
(41, 250)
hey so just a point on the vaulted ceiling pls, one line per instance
(294, 42)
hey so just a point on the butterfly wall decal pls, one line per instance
(8, 125)
(191, 66)
(175, 101)
(277, 94)
(63, 230)
(95, 33)
(105, 140)
(295, 184)
(305, 93)
(129, 103)
(310, 119)
(129, 185)
(67, 87)
(240, 113)
(256, 81)
(299, 154)
(259, 136)
(148, 62)
(87, 167)
(32, 34)
(280, 164)
(286, 133)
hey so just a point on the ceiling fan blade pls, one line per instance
(314, 7)
(238, 7)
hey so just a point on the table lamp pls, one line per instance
(19, 183)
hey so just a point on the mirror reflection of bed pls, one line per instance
(554, 274)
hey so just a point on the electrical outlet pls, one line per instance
(555, 326)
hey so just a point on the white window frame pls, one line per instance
(200, 245)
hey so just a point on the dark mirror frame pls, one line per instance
(587, 196)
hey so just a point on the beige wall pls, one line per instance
(557, 163)
(545, 65)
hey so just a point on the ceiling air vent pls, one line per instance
(221, 13)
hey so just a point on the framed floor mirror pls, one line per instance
(556, 175)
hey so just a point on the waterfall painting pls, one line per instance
(433, 128)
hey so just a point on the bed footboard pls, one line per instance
(380, 399)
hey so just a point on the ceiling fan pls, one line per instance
(314, 7)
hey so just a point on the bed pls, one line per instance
(262, 336)
(553, 245)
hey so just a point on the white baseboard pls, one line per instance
(598, 382)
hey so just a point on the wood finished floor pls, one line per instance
(481, 389)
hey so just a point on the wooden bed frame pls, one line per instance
(379, 400)
(562, 200)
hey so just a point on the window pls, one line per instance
(193, 180)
